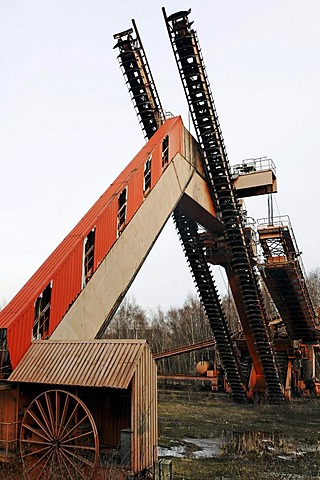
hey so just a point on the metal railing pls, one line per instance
(281, 221)
(253, 165)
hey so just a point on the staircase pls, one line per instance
(284, 275)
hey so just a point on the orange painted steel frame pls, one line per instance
(64, 267)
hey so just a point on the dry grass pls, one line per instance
(263, 441)
(112, 471)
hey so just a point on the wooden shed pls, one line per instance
(102, 392)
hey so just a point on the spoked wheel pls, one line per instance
(59, 438)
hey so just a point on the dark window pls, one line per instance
(88, 258)
(165, 151)
(147, 175)
(42, 314)
(122, 210)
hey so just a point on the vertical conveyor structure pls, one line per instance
(189, 60)
(135, 68)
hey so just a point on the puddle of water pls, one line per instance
(178, 451)
(208, 447)
(194, 448)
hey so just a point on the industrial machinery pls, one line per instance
(233, 245)
(283, 273)
(133, 62)
(68, 303)
(207, 371)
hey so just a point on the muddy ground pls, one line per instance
(208, 436)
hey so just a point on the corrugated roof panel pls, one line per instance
(96, 363)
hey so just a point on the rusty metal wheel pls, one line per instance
(59, 438)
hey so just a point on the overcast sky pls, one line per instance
(68, 128)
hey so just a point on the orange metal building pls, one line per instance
(64, 271)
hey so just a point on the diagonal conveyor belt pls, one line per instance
(139, 80)
(145, 98)
(194, 79)
(210, 299)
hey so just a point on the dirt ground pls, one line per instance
(251, 441)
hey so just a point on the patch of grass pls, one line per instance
(246, 468)
(291, 429)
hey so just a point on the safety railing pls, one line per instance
(253, 165)
(281, 221)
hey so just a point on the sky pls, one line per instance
(68, 128)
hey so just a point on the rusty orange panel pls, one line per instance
(106, 232)
(135, 191)
(64, 266)
(156, 169)
(66, 284)
(19, 334)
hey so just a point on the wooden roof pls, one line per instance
(95, 363)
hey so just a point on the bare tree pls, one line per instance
(130, 321)
(231, 313)
(165, 330)
(313, 284)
